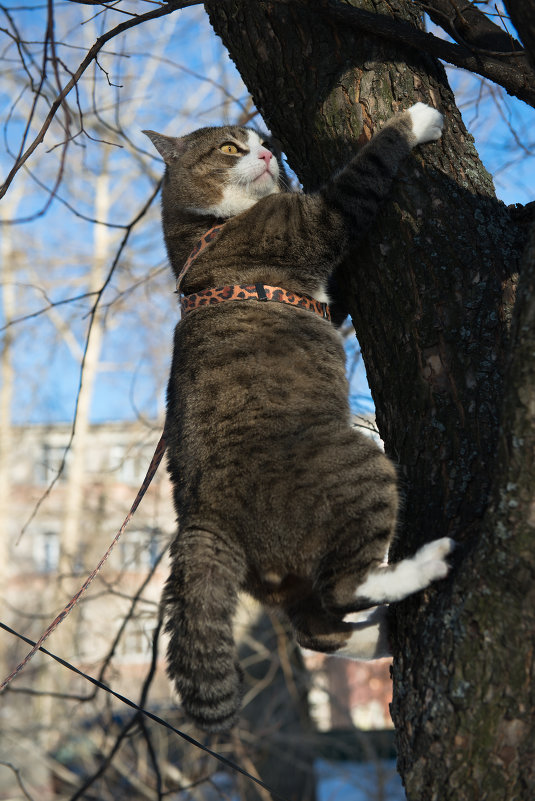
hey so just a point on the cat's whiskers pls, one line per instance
(280, 180)
(286, 183)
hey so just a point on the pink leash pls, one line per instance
(156, 459)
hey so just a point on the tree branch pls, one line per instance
(468, 25)
(170, 6)
(522, 13)
(510, 69)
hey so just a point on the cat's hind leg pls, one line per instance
(369, 637)
(401, 579)
(320, 630)
(325, 629)
(199, 601)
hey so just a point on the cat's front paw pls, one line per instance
(427, 123)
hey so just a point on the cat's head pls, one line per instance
(218, 172)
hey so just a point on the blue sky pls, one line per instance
(178, 98)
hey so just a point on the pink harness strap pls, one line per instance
(259, 291)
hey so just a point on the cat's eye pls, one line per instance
(230, 149)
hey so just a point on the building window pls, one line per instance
(139, 549)
(135, 643)
(46, 552)
(129, 465)
(122, 465)
(53, 459)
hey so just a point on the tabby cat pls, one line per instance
(276, 493)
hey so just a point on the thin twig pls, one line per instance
(128, 702)
(92, 316)
(171, 6)
(18, 777)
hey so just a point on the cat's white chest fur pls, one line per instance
(320, 293)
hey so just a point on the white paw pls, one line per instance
(369, 639)
(431, 560)
(432, 571)
(436, 549)
(427, 123)
(410, 575)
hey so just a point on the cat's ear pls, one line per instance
(169, 147)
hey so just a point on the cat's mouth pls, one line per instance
(266, 173)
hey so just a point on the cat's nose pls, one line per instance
(265, 154)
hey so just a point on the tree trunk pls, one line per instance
(429, 292)
(76, 483)
(8, 263)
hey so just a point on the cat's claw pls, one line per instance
(436, 549)
(427, 123)
(431, 559)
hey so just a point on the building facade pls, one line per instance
(65, 508)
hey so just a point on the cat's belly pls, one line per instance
(262, 449)
(284, 500)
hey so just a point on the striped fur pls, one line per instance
(275, 493)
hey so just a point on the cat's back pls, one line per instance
(257, 394)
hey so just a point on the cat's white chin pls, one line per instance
(264, 184)
(239, 198)
(264, 177)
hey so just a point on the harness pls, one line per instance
(260, 292)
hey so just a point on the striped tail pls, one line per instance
(199, 601)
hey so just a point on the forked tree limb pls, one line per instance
(509, 68)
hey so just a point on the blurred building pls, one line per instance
(46, 564)
(53, 541)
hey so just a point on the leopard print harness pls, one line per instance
(259, 292)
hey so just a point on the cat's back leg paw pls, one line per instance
(370, 638)
(436, 549)
(431, 561)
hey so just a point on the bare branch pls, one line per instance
(523, 17)
(467, 25)
(92, 315)
(18, 777)
(142, 711)
(171, 6)
(511, 69)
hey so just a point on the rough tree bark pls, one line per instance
(430, 294)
